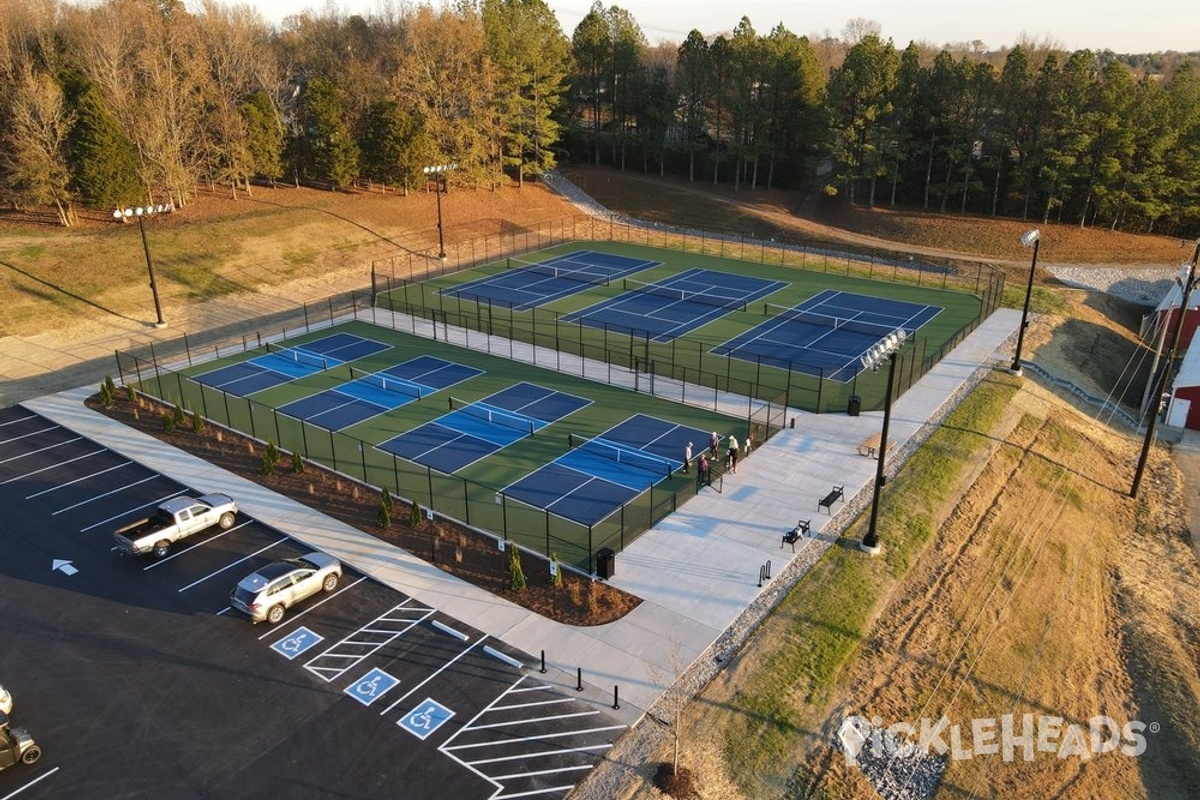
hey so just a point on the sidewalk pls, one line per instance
(697, 571)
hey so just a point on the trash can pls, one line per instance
(606, 563)
(854, 406)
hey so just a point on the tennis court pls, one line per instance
(524, 285)
(600, 474)
(826, 335)
(372, 393)
(282, 364)
(475, 430)
(674, 306)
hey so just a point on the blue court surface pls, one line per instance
(282, 364)
(827, 334)
(675, 306)
(600, 475)
(472, 431)
(375, 393)
(528, 285)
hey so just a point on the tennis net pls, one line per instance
(623, 454)
(683, 295)
(298, 356)
(550, 270)
(828, 320)
(389, 383)
(496, 416)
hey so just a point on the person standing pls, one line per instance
(713, 444)
(687, 458)
(733, 453)
(701, 471)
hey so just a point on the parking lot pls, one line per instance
(138, 680)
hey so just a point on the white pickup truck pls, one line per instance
(176, 519)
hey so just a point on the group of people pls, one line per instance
(703, 464)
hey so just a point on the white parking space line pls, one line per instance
(531, 705)
(177, 553)
(572, 768)
(77, 480)
(433, 675)
(55, 465)
(510, 723)
(19, 419)
(20, 789)
(105, 494)
(313, 607)
(542, 754)
(40, 450)
(151, 504)
(217, 572)
(350, 651)
(535, 738)
(27, 435)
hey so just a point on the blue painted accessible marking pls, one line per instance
(372, 686)
(297, 642)
(426, 718)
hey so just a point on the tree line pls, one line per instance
(140, 101)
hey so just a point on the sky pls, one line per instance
(1144, 26)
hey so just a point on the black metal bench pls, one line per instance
(828, 500)
(795, 534)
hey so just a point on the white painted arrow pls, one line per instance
(63, 566)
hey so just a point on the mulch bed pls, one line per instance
(460, 551)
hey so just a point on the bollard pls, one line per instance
(543, 662)
(616, 697)
(768, 568)
(579, 681)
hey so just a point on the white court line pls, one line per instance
(106, 494)
(77, 480)
(233, 564)
(20, 789)
(177, 553)
(55, 465)
(151, 504)
(313, 607)
(40, 450)
(433, 675)
(27, 435)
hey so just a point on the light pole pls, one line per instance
(1032, 239)
(888, 348)
(140, 212)
(1187, 280)
(439, 176)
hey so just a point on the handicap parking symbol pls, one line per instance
(297, 642)
(371, 687)
(427, 717)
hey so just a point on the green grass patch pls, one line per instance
(828, 613)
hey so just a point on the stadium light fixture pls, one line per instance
(885, 349)
(439, 176)
(141, 212)
(1032, 239)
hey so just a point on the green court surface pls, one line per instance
(963, 301)
(472, 494)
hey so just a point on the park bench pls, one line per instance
(794, 535)
(870, 445)
(828, 500)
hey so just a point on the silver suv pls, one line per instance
(270, 592)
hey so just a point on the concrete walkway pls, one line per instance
(697, 571)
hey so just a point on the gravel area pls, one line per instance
(1145, 285)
